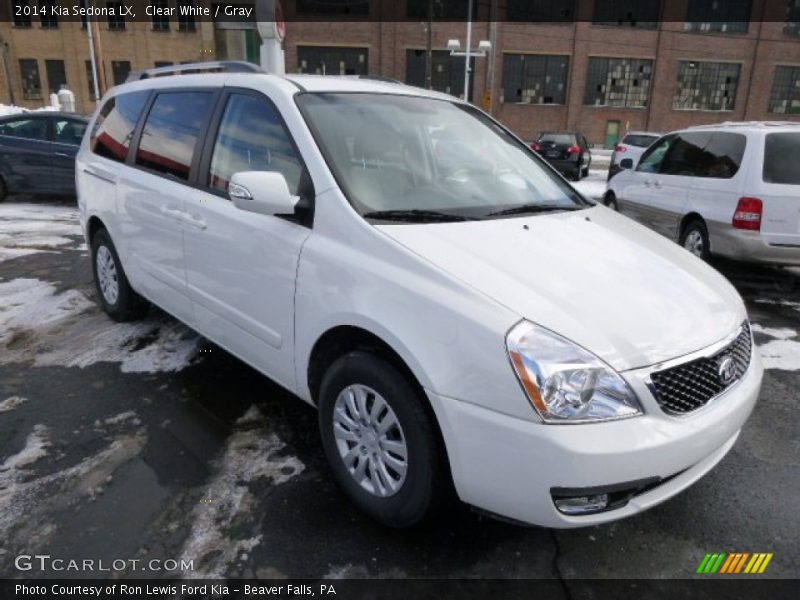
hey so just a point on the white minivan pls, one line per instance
(463, 319)
(729, 190)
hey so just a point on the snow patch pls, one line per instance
(35, 448)
(11, 403)
(28, 228)
(594, 186)
(782, 333)
(11, 109)
(122, 417)
(782, 352)
(251, 454)
(45, 328)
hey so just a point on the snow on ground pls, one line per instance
(594, 185)
(11, 403)
(252, 453)
(30, 228)
(783, 351)
(35, 448)
(11, 109)
(38, 325)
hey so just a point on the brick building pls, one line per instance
(601, 66)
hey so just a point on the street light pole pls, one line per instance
(466, 55)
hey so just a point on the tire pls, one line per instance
(585, 171)
(610, 200)
(694, 238)
(3, 190)
(576, 176)
(401, 499)
(118, 299)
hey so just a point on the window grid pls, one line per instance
(120, 69)
(21, 20)
(535, 78)
(90, 79)
(46, 17)
(117, 22)
(328, 60)
(792, 26)
(621, 82)
(642, 14)
(706, 86)
(540, 10)
(447, 72)
(31, 83)
(724, 16)
(56, 75)
(333, 7)
(785, 96)
(160, 22)
(186, 22)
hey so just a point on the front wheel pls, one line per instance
(118, 298)
(695, 239)
(380, 441)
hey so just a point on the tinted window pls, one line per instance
(252, 138)
(30, 129)
(68, 131)
(781, 157)
(171, 130)
(640, 141)
(557, 138)
(722, 157)
(686, 155)
(113, 129)
(652, 157)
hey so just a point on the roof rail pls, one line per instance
(380, 78)
(746, 124)
(224, 66)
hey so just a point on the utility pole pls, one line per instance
(93, 59)
(466, 55)
(7, 72)
(429, 49)
(492, 57)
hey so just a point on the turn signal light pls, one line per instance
(536, 147)
(748, 214)
(620, 148)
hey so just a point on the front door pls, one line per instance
(67, 136)
(241, 266)
(612, 135)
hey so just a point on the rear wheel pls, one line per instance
(380, 441)
(610, 200)
(117, 297)
(695, 239)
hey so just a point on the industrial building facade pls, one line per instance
(598, 66)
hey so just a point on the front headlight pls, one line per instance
(564, 382)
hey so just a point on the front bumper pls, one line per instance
(509, 466)
(749, 246)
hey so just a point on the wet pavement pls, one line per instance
(144, 441)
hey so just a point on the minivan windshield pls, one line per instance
(406, 158)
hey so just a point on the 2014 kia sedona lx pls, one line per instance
(461, 317)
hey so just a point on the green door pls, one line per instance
(612, 134)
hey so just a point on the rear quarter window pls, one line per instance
(113, 129)
(782, 158)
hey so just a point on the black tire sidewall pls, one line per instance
(128, 303)
(610, 200)
(418, 494)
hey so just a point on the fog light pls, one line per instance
(582, 505)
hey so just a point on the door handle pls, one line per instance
(657, 184)
(64, 154)
(194, 221)
(647, 183)
(171, 212)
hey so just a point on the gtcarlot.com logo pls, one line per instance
(45, 562)
(734, 563)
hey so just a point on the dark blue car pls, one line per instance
(37, 152)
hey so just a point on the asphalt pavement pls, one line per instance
(144, 441)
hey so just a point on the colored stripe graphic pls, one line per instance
(734, 563)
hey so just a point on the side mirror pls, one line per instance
(263, 192)
(626, 163)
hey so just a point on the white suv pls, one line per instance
(731, 190)
(462, 318)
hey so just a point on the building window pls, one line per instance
(727, 16)
(47, 17)
(90, 79)
(540, 10)
(117, 20)
(324, 60)
(120, 69)
(623, 82)
(160, 17)
(56, 75)
(333, 7)
(785, 96)
(643, 14)
(455, 10)
(447, 72)
(31, 83)
(792, 25)
(18, 13)
(186, 22)
(535, 78)
(706, 86)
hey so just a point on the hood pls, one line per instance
(630, 296)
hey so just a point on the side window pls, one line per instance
(171, 131)
(68, 131)
(687, 155)
(652, 157)
(113, 129)
(252, 137)
(29, 129)
(725, 151)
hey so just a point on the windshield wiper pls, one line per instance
(414, 215)
(531, 209)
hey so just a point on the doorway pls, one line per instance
(612, 135)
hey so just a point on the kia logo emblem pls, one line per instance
(726, 370)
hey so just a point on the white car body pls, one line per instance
(631, 147)
(443, 296)
(667, 202)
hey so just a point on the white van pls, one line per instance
(463, 319)
(730, 190)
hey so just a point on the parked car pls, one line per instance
(438, 319)
(37, 152)
(631, 146)
(729, 190)
(567, 151)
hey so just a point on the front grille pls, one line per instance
(687, 387)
